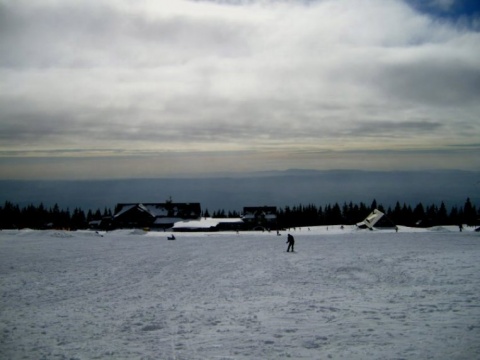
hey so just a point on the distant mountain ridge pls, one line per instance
(278, 188)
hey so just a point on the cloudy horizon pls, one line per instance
(114, 88)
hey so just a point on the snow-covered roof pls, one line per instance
(181, 210)
(157, 210)
(127, 207)
(205, 223)
(144, 208)
(124, 210)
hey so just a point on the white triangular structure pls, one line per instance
(371, 220)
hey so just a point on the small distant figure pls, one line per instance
(460, 227)
(396, 228)
(290, 242)
(171, 237)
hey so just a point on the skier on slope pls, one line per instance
(290, 242)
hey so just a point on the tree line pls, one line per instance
(40, 217)
(350, 214)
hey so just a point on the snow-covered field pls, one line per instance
(344, 294)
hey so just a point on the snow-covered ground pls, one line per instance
(344, 294)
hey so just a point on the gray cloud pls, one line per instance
(98, 34)
(388, 128)
(439, 76)
(209, 76)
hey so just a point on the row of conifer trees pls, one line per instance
(13, 216)
(40, 217)
(349, 214)
(401, 214)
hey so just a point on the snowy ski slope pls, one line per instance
(344, 294)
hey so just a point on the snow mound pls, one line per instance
(61, 234)
(138, 232)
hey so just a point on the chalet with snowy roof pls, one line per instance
(260, 218)
(154, 215)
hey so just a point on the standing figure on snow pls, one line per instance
(290, 242)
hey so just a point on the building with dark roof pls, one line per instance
(154, 215)
(260, 217)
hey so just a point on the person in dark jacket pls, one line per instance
(290, 242)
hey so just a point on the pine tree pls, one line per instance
(454, 218)
(336, 215)
(442, 215)
(469, 213)
(78, 220)
(419, 216)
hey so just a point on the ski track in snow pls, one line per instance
(343, 295)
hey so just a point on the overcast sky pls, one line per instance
(145, 88)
